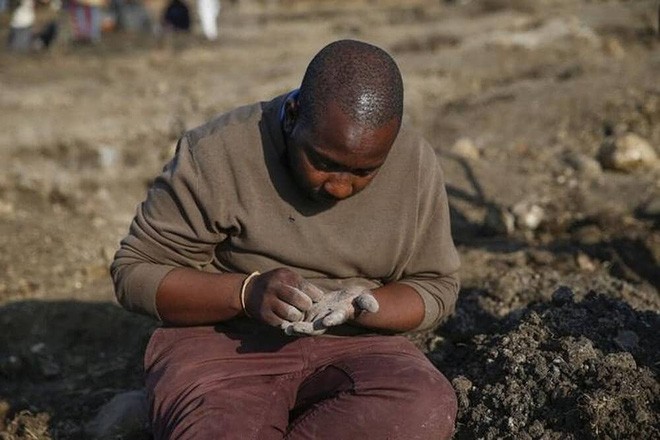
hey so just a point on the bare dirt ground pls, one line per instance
(557, 331)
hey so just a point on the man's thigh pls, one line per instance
(204, 384)
(384, 387)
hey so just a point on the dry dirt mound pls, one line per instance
(558, 370)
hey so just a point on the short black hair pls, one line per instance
(361, 78)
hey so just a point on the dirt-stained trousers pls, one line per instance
(210, 383)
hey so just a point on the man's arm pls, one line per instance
(428, 290)
(158, 269)
(401, 309)
(433, 269)
(170, 232)
(395, 307)
(192, 297)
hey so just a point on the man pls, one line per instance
(316, 213)
(208, 12)
(177, 16)
(20, 27)
(86, 20)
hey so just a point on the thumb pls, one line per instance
(337, 317)
(368, 302)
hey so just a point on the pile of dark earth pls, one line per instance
(561, 369)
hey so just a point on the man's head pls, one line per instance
(344, 121)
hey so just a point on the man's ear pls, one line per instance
(291, 109)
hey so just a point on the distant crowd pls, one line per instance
(37, 24)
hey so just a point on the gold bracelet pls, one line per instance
(244, 288)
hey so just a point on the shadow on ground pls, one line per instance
(62, 360)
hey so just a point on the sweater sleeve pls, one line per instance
(171, 229)
(432, 268)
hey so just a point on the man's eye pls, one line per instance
(323, 166)
(363, 173)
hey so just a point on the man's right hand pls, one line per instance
(279, 296)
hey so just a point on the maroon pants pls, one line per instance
(204, 383)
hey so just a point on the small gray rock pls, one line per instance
(499, 221)
(584, 164)
(528, 215)
(124, 417)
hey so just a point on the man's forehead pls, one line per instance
(345, 142)
(333, 118)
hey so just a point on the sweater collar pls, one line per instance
(273, 113)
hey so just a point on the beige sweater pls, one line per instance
(227, 203)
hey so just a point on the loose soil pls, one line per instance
(556, 331)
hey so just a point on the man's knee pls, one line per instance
(437, 403)
(433, 398)
(413, 395)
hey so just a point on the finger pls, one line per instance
(296, 297)
(335, 318)
(317, 313)
(315, 293)
(295, 329)
(367, 302)
(303, 327)
(271, 319)
(287, 328)
(287, 312)
(307, 328)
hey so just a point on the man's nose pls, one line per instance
(339, 186)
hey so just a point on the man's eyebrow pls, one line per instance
(316, 156)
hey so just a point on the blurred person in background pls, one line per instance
(45, 38)
(86, 19)
(20, 27)
(208, 12)
(177, 16)
(132, 16)
(24, 35)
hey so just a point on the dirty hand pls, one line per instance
(279, 297)
(332, 309)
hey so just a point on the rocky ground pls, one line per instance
(546, 115)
